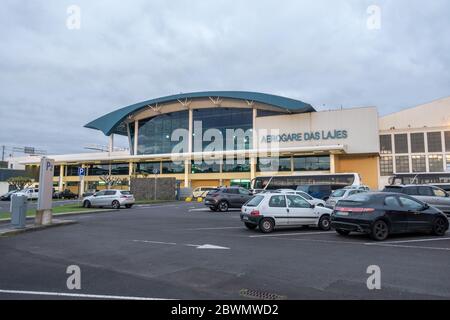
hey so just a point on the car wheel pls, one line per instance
(343, 232)
(87, 204)
(439, 227)
(223, 206)
(266, 225)
(250, 226)
(116, 204)
(213, 208)
(324, 223)
(380, 230)
(128, 206)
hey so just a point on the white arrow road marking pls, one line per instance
(77, 295)
(197, 246)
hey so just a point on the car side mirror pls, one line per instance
(312, 205)
(94, 195)
(425, 206)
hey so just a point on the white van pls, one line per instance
(201, 191)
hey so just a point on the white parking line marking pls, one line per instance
(407, 241)
(289, 234)
(78, 295)
(155, 242)
(215, 228)
(413, 247)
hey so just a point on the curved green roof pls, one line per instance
(109, 122)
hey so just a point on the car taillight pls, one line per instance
(254, 213)
(354, 209)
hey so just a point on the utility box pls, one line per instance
(19, 204)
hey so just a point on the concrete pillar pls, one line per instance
(254, 133)
(191, 124)
(111, 143)
(252, 167)
(187, 169)
(332, 163)
(61, 178)
(136, 135)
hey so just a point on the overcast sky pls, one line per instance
(53, 80)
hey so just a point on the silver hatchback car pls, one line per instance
(110, 198)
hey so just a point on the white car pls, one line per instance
(340, 194)
(271, 210)
(201, 191)
(31, 193)
(110, 198)
(303, 194)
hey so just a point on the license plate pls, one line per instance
(342, 213)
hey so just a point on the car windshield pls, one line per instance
(304, 195)
(338, 193)
(253, 202)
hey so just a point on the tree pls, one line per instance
(19, 183)
(110, 180)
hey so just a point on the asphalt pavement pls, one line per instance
(184, 251)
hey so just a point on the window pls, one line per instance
(297, 202)
(110, 193)
(72, 171)
(172, 167)
(304, 195)
(447, 141)
(98, 169)
(425, 191)
(435, 163)
(56, 171)
(386, 166)
(155, 133)
(412, 191)
(417, 142)
(338, 193)
(223, 119)
(244, 192)
(418, 163)
(233, 190)
(255, 201)
(277, 201)
(439, 192)
(120, 169)
(146, 167)
(391, 201)
(100, 193)
(402, 164)
(385, 143)
(401, 143)
(447, 160)
(434, 142)
(410, 204)
(204, 167)
(238, 165)
(312, 163)
(274, 164)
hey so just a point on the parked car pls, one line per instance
(66, 194)
(7, 196)
(340, 194)
(221, 199)
(270, 210)
(320, 191)
(443, 186)
(380, 214)
(110, 198)
(89, 192)
(360, 187)
(31, 193)
(432, 195)
(201, 191)
(304, 195)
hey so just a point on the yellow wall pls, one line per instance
(205, 183)
(365, 165)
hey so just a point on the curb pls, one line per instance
(30, 228)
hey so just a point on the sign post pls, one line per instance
(44, 206)
(81, 175)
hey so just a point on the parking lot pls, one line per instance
(184, 251)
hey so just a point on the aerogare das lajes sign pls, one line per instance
(306, 136)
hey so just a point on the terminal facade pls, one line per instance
(302, 140)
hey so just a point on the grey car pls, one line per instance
(110, 198)
(432, 195)
(340, 194)
(221, 199)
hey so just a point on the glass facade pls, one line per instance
(103, 169)
(386, 166)
(155, 133)
(401, 143)
(418, 164)
(236, 166)
(312, 163)
(417, 142)
(56, 171)
(223, 119)
(147, 167)
(434, 142)
(402, 164)
(172, 167)
(435, 163)
(204, 167)
(72, 170)
(447, 141)
(385, 143)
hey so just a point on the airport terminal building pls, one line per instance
(303, 141)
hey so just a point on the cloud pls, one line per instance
(54, 80)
